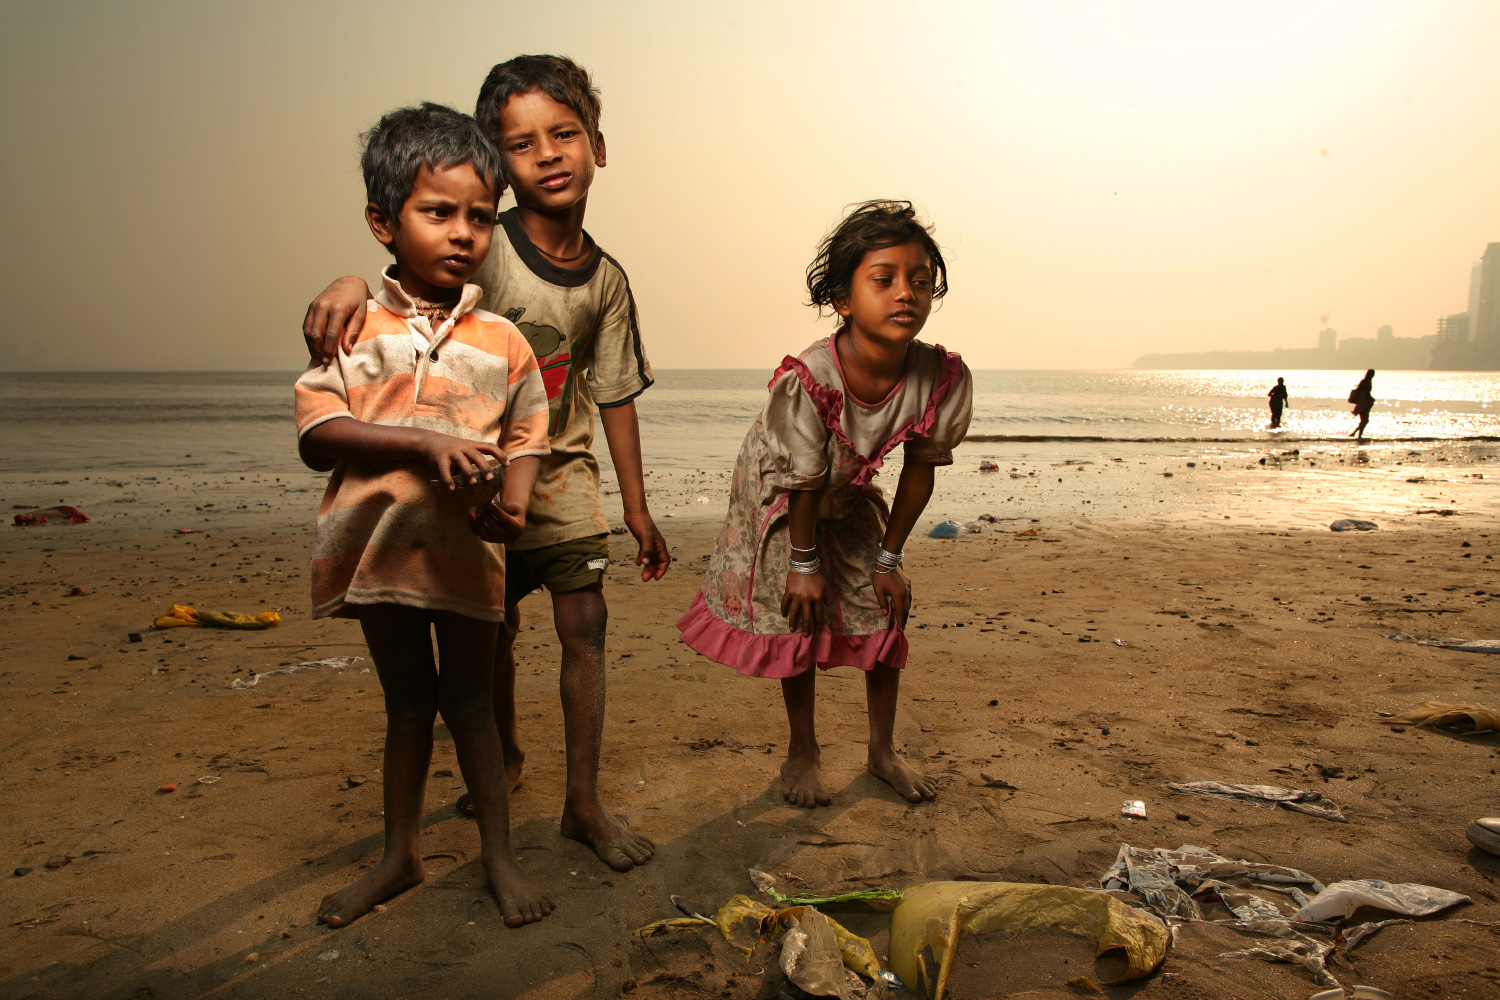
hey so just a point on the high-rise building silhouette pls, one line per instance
(1328, 340)
(1484, 320)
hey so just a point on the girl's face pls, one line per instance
(890, 295)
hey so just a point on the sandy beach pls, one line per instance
(1253, 652)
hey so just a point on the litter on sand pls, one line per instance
(182, 615)
(768, 884)
(1352, 993)
(745, 923)
(1457, 720)
(946, 529)
(1353, 524)
(1267, 902)
(336, 662)
(1447, 642)
(45, 515)
(930, 919)
(1267, 797)
(1341, 899)
(1133, 807)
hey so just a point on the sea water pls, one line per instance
(696, 419)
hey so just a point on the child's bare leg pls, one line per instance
(882, 685)
(801, 774)
(580, 617)
(401, 645)
(505, 699)
(504, 694)
(466, 656)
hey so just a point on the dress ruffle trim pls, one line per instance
(830, 404)
(778, 656)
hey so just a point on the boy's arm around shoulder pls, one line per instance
(335, 317)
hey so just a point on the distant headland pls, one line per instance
(1466, 341)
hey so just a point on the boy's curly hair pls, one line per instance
(559, 77)
(432, 136)
(874, 225)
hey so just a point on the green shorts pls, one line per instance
(561, 568)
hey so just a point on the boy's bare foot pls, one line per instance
(909, 782)
(514, 779)
(521, 899)
(617, 845)
(803, 781)
(388, 878)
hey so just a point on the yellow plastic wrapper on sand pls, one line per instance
(182, 615)
(744, 922)
(929, 920)
(1462, 720)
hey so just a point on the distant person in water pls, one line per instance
(1278, 402)
(1363, 399)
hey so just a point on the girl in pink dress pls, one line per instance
(807, 569)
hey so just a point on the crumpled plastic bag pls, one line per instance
(1461, 720)
(1286, 943)
(1448, 642)
(336, 662)
(1169, 880)
(1267, 796)
(810, 956)
(931, 918)
(46, 515)
(744, 922)
(1341, 899)
(183, 615)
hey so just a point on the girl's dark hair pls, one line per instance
(874, 225)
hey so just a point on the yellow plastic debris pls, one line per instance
(182, 615)
(855, 950)
(744, 922)
(927, 924)
(1462, 720)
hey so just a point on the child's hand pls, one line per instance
(457, 458)
(498, 521)
(802, 604)
(335, 318)
(653, 557)
(893, 593)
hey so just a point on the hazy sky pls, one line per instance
(1108, 179)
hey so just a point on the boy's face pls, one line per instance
(444, 231)
(546, 152)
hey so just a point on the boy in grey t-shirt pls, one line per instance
(572, 301)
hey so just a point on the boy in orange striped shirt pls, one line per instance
(433, 386)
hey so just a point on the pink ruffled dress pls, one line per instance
(814, 435)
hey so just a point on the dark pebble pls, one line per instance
(1398, 729)
(1184, 817)
(994, 702)
(21, 871)
(134, 637)
(74, 656)
(1104, 731)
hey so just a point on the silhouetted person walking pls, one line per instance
(1278, 401)
(1363, 399)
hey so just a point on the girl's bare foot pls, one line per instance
(521, 899)
(803, 781)
(390, 877)
(617, 845)
(909, 783)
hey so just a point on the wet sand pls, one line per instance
(1255, 654)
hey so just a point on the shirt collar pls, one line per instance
(393, 297)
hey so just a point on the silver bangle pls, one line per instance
(890, 560)
(883, 570)
(810, 548)
(807, 568)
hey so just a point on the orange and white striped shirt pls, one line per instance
(386, 535)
